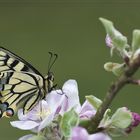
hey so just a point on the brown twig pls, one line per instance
(134, 81)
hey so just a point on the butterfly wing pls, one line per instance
(12, 62)
(21, 85)
(20, 90)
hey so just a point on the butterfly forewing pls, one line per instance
(21, 85)
(12, 62)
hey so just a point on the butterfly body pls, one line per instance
(21, 85)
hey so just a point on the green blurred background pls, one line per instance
(71, 29)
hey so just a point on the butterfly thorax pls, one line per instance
(49, 79)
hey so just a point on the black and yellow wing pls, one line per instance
(12, 62)
(21, 85)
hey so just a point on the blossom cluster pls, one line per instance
(60, 114)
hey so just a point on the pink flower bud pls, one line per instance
(135, 122)
(108, 41)
(136, 119)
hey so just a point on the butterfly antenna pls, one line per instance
(50, 59)
(51, 64)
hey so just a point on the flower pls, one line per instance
(79, 133)
(56, 103)
(68, 98)
(34, 120)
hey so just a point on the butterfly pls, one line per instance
(21, 85)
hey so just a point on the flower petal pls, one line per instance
(87, 110)
(63, 100)
(24, 125)
(87, 106)
(33, 114)
(46, 122)
(87, 114)
(70, 88)
(55, 100)
(99, 136)
(79, 133)
(26, 137)
(22, 116)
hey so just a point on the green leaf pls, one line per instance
(122, 118)
(39, 137)
(109, 66)
(136, 40)
(68, 121)
(109, 27)
(116, 132)
(116, 68)
(118, 40)
(105, 122)
(94, 101)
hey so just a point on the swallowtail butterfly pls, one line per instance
(21, 85)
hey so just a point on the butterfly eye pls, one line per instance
(9, 112)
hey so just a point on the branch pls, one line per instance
(112, 92)
(134, 81)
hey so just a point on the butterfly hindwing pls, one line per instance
(20, 89)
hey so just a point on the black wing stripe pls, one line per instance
(24, 96)
(29, 100)
(6, 100)
(18, 98)
(6, 59)
(25, 81)
(15, 62)
(4, 95)
(8, 54)
(20, 93)
(5, 77)
(9, 75)
(25, 68)
(34, 102)
(36, 81)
